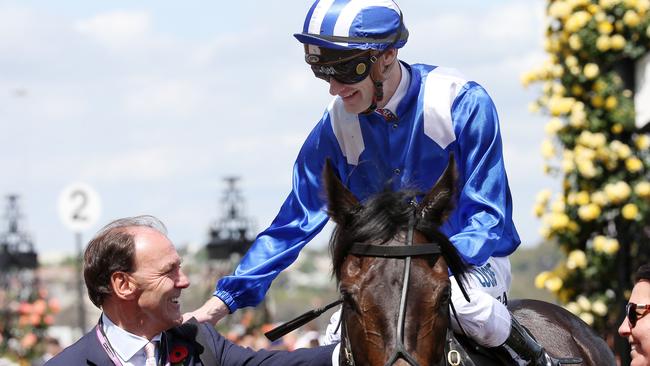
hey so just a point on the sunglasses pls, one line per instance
(349, 71)
(631, 311)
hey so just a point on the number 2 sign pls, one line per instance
(79, 206)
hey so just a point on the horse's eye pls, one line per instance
(445, 296)
(349, 301)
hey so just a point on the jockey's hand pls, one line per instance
(211, 312)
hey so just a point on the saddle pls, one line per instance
(463, 351)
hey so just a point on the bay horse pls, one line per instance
(391, 265)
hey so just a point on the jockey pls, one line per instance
(396, 124)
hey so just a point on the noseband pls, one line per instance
(404, 252)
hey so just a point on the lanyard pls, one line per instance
(106, 345)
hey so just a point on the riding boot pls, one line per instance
(523, 347)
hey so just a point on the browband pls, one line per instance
(397, 251)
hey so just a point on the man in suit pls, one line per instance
(133, 273)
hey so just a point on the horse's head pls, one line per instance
(381, 324)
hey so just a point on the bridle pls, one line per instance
(404, 252)
(454, 353)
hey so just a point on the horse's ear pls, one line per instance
(340, 201)
(439, 202)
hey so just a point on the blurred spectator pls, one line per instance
(52, 348)
(636, 326)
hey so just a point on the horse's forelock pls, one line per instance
(379, 221)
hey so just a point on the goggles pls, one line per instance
(631, 311)
(348, 70)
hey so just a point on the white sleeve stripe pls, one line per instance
(441, 89)
(347, 130)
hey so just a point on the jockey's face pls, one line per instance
(639, 334)
(356, 97)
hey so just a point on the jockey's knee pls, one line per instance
(484, 318)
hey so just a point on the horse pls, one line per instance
(391, 263)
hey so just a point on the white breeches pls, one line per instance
(485, 318)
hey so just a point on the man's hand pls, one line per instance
(211, 312)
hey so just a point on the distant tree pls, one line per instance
(600, 218)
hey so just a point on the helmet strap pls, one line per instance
(377, 78)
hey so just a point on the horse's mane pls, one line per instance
(379, 220)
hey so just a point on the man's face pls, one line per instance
(159, 279)
(639, 335)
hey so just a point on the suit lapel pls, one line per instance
(94, 352)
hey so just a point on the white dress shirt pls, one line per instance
(129, 347)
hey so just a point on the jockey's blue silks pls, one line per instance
(438, 112)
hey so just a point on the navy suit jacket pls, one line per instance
(88, 351)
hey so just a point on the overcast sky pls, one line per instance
(153, 102)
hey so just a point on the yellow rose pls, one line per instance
(554, 284)
(573, 307)
(553, 126)
(642, 6)
(611, 246)
(543, 196)
(630, 211)
(599, 308)
(584, 303)
(599, 15)
(617, 128)
(599, 198)
(642, 142)
(606, 4)
(597, 101)
(631, 18)
(533, 107)
(548, 150)
(599, 243)
(621, 150)
(586, 168)
(617, 42)
(558, 206)
(576, 259)
(576, 43)
(591, 70)
(617, 192)
(605, 27)
(642, 189)
(571, 61)
(560, 10)
(541, 278)
(599, 86)
(576, 21)
(582, 198)
(578, 115)
(589, 212)
(587, 318)
(559, 221)
(568, 165)
(538, 210)
(603, 43)
(633, 164)
(611, 102)
(558, 105)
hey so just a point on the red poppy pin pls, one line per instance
(178, 354)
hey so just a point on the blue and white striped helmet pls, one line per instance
(354, 24)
